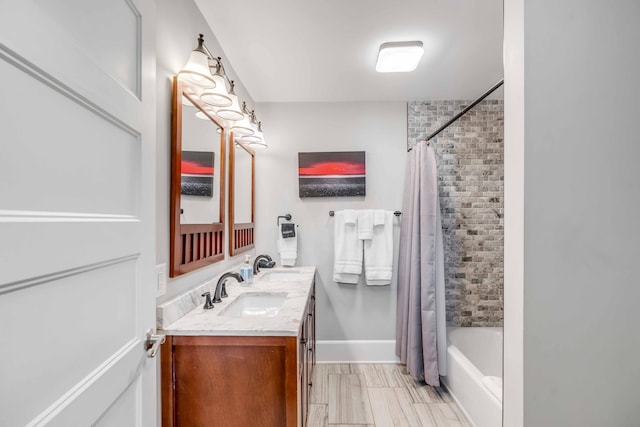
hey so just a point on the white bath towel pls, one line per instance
(287, 248)
(365, 224)
(378, 252)
(494, 385)
(347, 254)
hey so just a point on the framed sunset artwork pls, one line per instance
(196, 173)
(332, 174)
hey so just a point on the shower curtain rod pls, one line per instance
(463, 112)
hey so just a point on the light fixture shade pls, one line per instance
(218, 96)
(191, 91)
(399, 57)
(261, 145)
(203, 116)
(196, 71)
(256, 140)
(233, 112)
(251, 139)
(243, 127)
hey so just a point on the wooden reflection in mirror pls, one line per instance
(197, 184)
(241, 197)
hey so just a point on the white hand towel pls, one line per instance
(347, 261)
(287, 248)
(378, 217)
(365, 224)
(378, 253)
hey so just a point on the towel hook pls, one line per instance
(287, 217)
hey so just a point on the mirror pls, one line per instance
(241, 197)
(197, 184)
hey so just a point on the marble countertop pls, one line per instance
(285, 323)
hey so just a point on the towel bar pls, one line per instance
(396, 213)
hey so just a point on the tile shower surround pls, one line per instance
(471, 187)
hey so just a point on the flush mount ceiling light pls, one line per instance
(399, 57)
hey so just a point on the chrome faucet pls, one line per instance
(262, 261)
(220, 288)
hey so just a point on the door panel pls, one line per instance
(107, 31)
(86, 160)
(77, 202)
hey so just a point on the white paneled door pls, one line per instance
(77, 246)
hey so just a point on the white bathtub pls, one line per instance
(473, 356)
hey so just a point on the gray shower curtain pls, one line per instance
(421, 317)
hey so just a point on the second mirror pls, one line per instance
(241, 198)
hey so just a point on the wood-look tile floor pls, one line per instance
(378, 395)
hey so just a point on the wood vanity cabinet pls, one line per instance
(239, 381)
(307, 355)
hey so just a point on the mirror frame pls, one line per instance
(241, 235)
(193, 246)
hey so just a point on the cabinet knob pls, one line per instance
(303, 341)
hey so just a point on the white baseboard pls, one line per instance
(356, 352)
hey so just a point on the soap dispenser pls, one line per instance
(246, 271)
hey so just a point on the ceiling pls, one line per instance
(325, 50)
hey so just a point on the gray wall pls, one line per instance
(345, 312)
(178, 25)
(581, 199)
(471, 187)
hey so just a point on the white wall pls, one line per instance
(344, 312)
(178, 25)
(513, 213)
(581, 202)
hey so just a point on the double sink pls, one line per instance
(262, 304)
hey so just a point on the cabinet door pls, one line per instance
(226, 381)
(310, 354)
(302, 369)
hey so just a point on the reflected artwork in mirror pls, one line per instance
(197, 183)
(241, 198)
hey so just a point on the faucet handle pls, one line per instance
(207, 304)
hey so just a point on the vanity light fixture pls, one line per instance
(193, 92)
(257, 139)
(399, 57)
(206, 78)
(233, 112)
(196, 71)
(243, 127)
(218, 96)
(261, 143)
(203, 116)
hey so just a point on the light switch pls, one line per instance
(161, 279)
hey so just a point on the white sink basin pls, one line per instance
(282, 276)
(256, 304)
